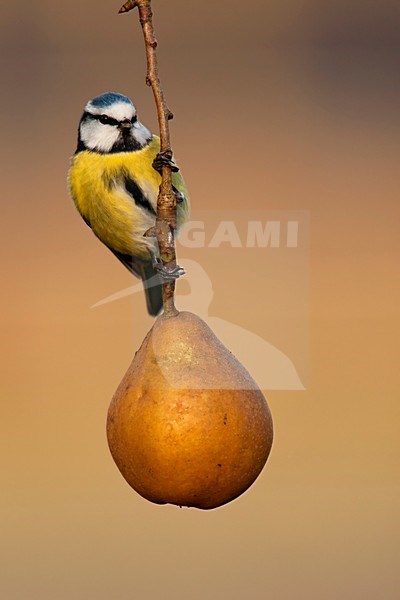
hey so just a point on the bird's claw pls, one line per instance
(164, 159)
(168, 273)
(179, 197)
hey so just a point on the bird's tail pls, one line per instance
(153, 289)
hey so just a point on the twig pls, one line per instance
(166, 201)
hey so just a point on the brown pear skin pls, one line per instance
(188, 425)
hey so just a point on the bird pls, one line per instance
(114, 179)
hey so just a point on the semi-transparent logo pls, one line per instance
(247, 277)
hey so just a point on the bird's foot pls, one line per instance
(164, 159)
(167, 273)
(179, 197)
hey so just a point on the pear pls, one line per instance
(188, 425)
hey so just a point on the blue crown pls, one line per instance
(109, 98)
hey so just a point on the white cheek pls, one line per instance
(97, 136)
(141, 133)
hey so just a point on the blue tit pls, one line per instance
(115, 186)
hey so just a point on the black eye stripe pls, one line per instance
(107, 120)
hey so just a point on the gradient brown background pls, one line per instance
(293, 105)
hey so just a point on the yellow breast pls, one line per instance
(97, 188)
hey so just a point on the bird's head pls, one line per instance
(109, 124)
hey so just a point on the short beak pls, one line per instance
(125, 126)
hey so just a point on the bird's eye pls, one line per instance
(106, 120)
(134, 119)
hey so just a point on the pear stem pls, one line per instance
(166, 201)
